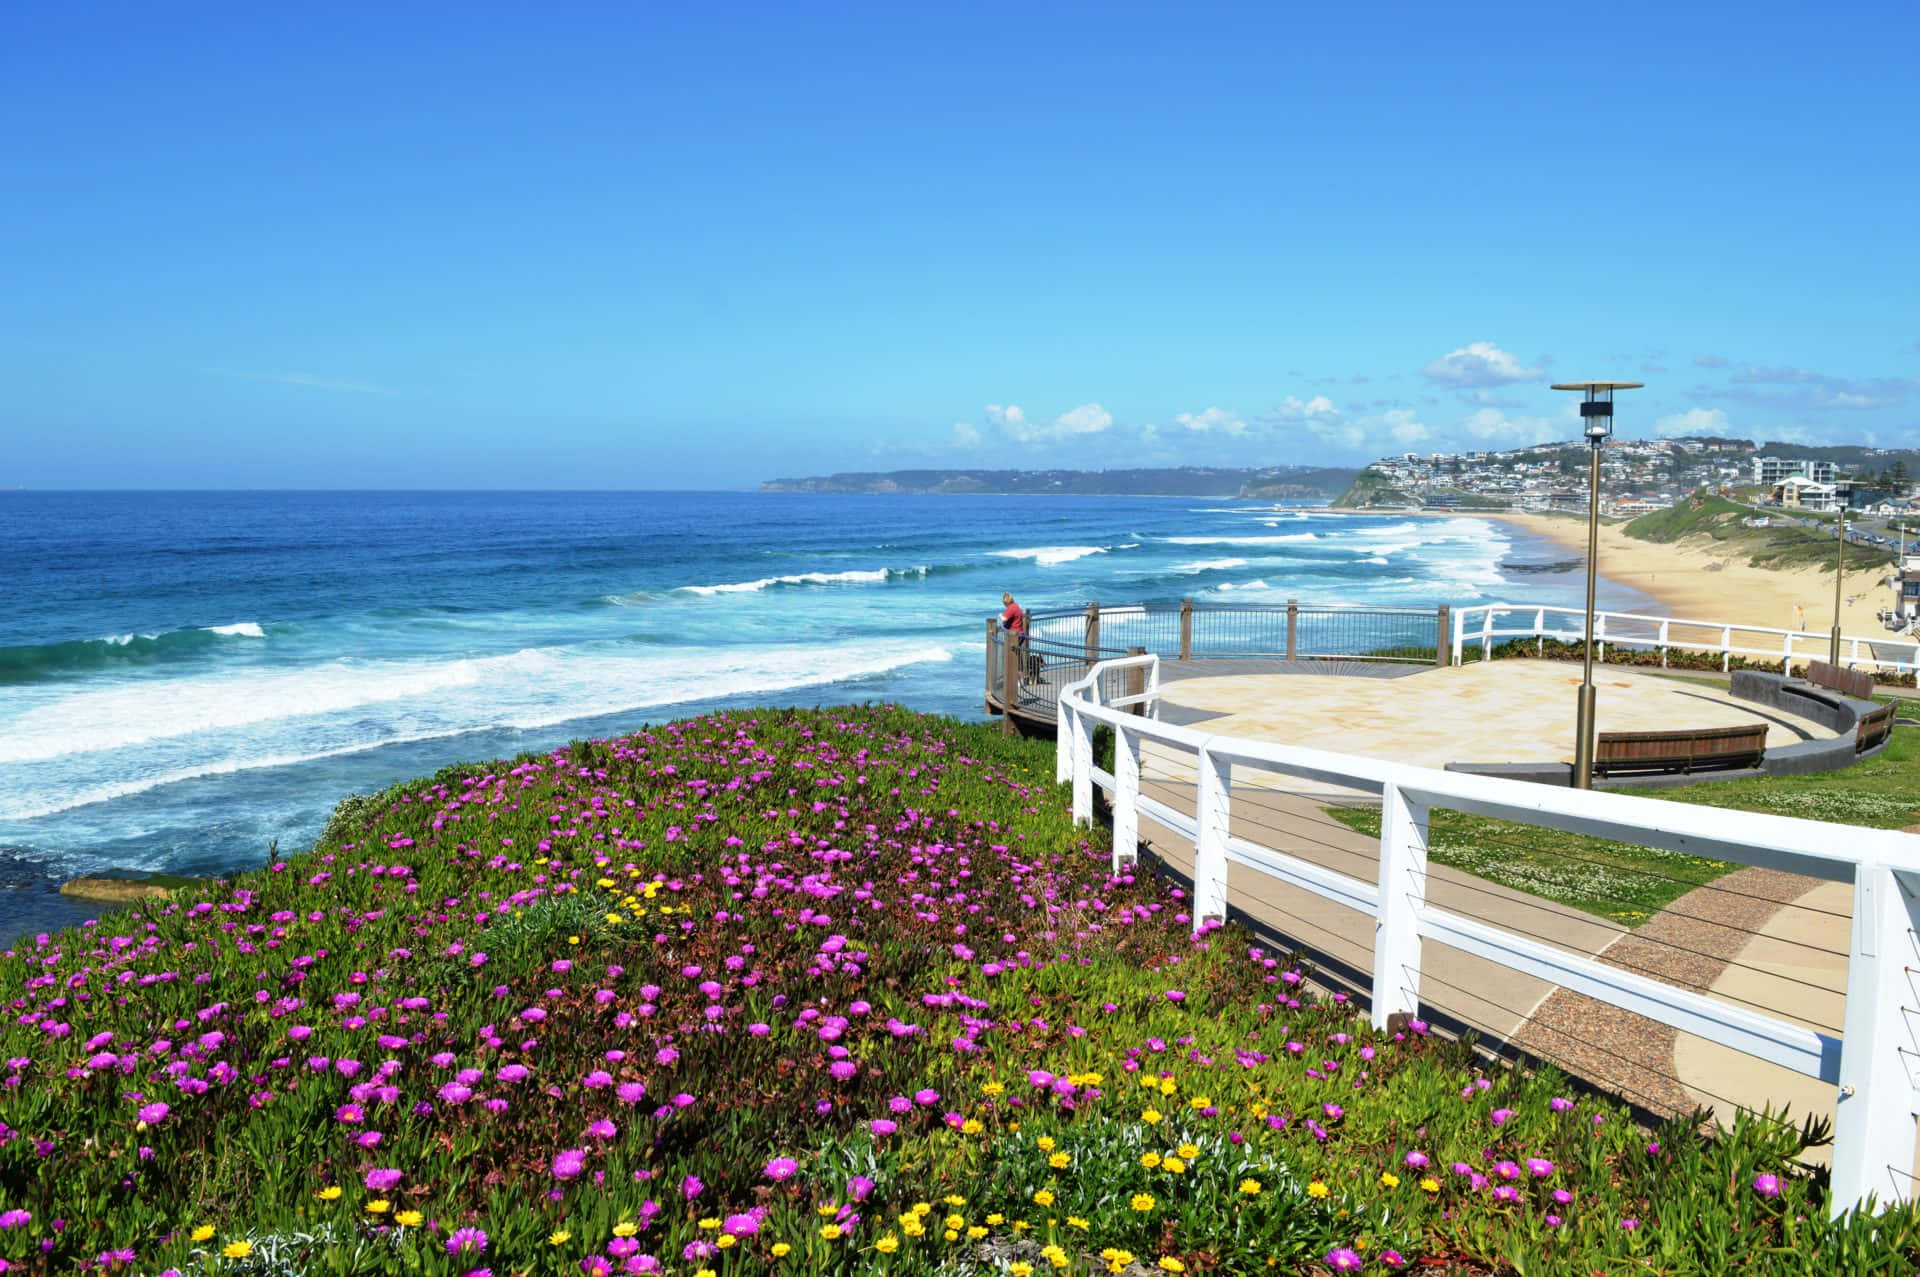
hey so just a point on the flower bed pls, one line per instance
(1623, 653)
(838, 991)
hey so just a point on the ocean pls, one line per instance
(188, 679)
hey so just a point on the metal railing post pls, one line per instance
(1093, 633)
(1600, 638)
(1459, 637)
(1665, 633)
(993, 637)
(1213, 813)
(1540, 632)
(1126, 799)
(1726, 649)
(1486, 634)
(1403, 890)
(1064, 717)
(1873, 1129)
(1136, 682)
(1443, 630)
(1186, 629)
(1293, 629)
(1009, 680)
(1082, 732)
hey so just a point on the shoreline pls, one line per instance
(1713, 584)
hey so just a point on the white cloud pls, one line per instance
(1085, 419)
(965, 435)
(1479, 363)
(1211, 420)
(1490, 424)
(1294, 409)
(1402, 426)
(1694, 421)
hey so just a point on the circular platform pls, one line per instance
(1510, 711)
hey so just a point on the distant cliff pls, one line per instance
(1295, 483)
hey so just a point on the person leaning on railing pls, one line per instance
(1013, 619)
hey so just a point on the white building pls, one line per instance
(1768, 471)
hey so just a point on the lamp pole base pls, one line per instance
(1583, 739)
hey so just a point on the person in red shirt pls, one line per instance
(1014, 620)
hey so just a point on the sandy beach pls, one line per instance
(1715, 585)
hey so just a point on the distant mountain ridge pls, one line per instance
(1300, 483)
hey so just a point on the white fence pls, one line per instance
(1489, 623)
(1871, 1063)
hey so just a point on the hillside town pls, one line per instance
(1641, 475)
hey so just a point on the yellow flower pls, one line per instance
(996, 1219)
(1149, 1160)
(1429, 1185)
(331, 1193)
(409, 1218)
(625, 1228)
(1054, 1255)
(976, 1232)
(238, 1250)
(710, 1223)
(1188, 1151)
(887, 1245)
(830, 1231)
(1316, 1189)
(992, 1088)
(379, 1206)
(1021, 1225)
(1045, 1143)
(1251, 1187)
(781, 1250)
(1168, 1086)
(1173, 1164)
(826, 1210)
(1389, 1180)
(1172, 1265)
(1020, 1268)
(203, 1233)
(954, 1221)
(706, 1272)
(726, 1241)
(1043, 1198)
(971, 1126)
(1074, 1221)
(951, 1235)
(911, 1226)
(1060, 1161)
(1143, 1201)
(1199, 1102)
(1150, 1116)
(951, 1199)
(922, 1208)
(559, 1237)
(573, 939)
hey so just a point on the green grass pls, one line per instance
(1628, 883)
(1702, 516)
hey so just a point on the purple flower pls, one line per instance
(1539, 1167)
(15, 1218)
(465, 1239)
(1559, 1105)
(1344, 1259)
(691, 1187)
(602, 1129)
(782, 1168)
(379, 1181)
(1175, 995)
(743, 1225)
(927, 1097)
(568, 1163)
(882, 1126)
(1417, 1161)
(1767, 1185)
(1630, 1225)
(153, 1114)
(1500, 1116)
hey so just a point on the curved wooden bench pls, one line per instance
(1690, 750)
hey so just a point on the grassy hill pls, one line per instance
(1704, 517)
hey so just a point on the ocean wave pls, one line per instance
(332, 706)
(869, 576)
(1048, 556)
(1285, 538)
(34, 662)
(1206, 565)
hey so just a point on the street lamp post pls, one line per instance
(1596, 411)
(1839, 571)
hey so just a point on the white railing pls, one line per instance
(1871, 1063)
(1488, 623)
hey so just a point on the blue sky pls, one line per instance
(699, 246)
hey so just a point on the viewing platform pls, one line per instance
(1513, 911)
